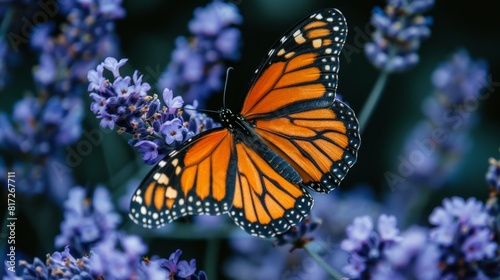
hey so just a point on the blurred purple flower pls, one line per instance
(197, 64)
(436, 144)
(413, 257)
(87, 222)
(465, 239)
(298, 235)
(398, 32)
(45, 123)
(366, 247)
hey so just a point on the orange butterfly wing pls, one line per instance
(292, 102)
(194, 179)
(267, 199)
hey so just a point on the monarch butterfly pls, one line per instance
(290, 135)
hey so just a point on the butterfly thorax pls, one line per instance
(235, 123)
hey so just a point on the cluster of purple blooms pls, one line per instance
(125, 102)
(90, 229)
(199, 62)
(399, 30)
(463, 244)
(434, 147)
(41, 124)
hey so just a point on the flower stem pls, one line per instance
(211, 257)
(332, 272)
(6, 22)
(373, 98)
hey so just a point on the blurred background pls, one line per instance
(146, 37)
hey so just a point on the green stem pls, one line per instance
(373, 98)
(211, 256)
(332, 272)
(6, 21)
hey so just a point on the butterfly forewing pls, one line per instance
(300, 70)
(195, 179)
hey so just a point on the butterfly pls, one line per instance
(291, 135)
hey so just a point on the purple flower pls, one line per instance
(140, 87)
(47, 122)
(213, 18)
(186, 269)
(297, 234)
(113, 65)
(465, 238)
(125, 102)
(480, 245)
(358, 233)
(387, 228)
(436, 144)
(367, 248)
(86, 224)
(198, 64)
(148, 149)
(172, 130)
(173, 103)
(399, 30)
(107, 120)
(111, 8)
(59, 263)
(45, 72)
(412, 257)
(96, 79)
(180, 269)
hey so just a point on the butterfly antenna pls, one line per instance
(225, 87)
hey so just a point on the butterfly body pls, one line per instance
(290, 135)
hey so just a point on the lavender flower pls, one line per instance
(107, 261)
(466, 241)
(125, 103)
(198, 63)
(180, 269)
(51, 119)
(59, 265)
(87, 222)
(367, 247)
(436, 144)
(297, 234)
(413, 257)
(399, 30)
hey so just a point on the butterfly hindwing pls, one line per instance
(266, 201)
(197, 178)
(321, 144)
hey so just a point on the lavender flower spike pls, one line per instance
(399, 30)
